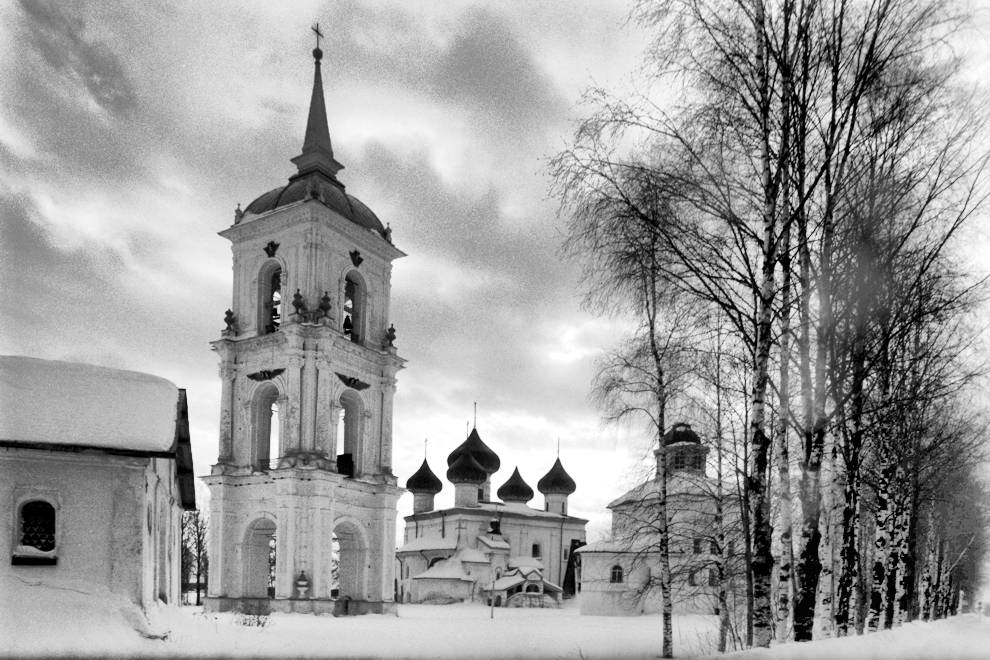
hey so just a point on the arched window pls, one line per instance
(349, 434)
(532, 588)
(270, 298)
(354, 295)
(616, 576)
(267, 426)
(35, 534)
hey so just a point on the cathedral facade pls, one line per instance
(303, 500)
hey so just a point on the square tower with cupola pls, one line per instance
(303, 499)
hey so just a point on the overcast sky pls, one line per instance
(129, 133)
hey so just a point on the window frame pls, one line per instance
(29, 555)
(617, 575)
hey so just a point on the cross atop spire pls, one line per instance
(317, 151)
(319, 35)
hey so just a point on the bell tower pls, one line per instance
(303, 499)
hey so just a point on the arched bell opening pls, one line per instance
(260, 557)
(270, 282)
(349, 434)
(267, 422)
(355, 301)
(352, 561)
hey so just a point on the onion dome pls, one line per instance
(515, 489)
(481, 452)
(556, 481)
(680, 432)
(424, 481)
(466, 470)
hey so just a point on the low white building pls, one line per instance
(457, 553)
(95, 471)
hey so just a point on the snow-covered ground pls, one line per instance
(46, 619)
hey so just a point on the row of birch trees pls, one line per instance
(781, 207)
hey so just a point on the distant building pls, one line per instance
(480, 548)
(620, 576)
(95, 471)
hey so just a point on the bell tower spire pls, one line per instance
(317, 151)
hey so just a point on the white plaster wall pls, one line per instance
(103, 534)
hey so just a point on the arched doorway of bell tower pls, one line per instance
(350, 546)
(259, 556)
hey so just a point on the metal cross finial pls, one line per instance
(475, 414)
(558, 447)
(425, 440)
(319, 35)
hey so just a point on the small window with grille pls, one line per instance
(36, 536)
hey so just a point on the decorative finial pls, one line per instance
(475, 414)
(317, 53)
(425, 441)
(558, 446)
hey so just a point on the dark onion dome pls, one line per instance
(515, 489)
(331, 193)
(481, 452)
(680, 432)
(466, 470)
(424, 481)
(556, 481)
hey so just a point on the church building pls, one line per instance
(503, 552)
(620, 576)
(303, 500)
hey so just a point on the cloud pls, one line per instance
(488, 70)
(60, 38)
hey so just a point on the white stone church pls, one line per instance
(500, 552)
(308, 371)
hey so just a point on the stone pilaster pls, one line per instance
(308, 403)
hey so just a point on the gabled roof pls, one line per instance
(430, 543)
(448, 569)
(50, 402)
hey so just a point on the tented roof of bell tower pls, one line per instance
(316, 177)
(481, 452)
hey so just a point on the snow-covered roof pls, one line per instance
(504, 582)
(430, 543)
(66, 403)
(448, 569)
(639, 543)
(472, 555)
(678, 485)
(525, 562)
(494, 543)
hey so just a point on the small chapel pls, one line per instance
(502, 553)
(303, 499)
